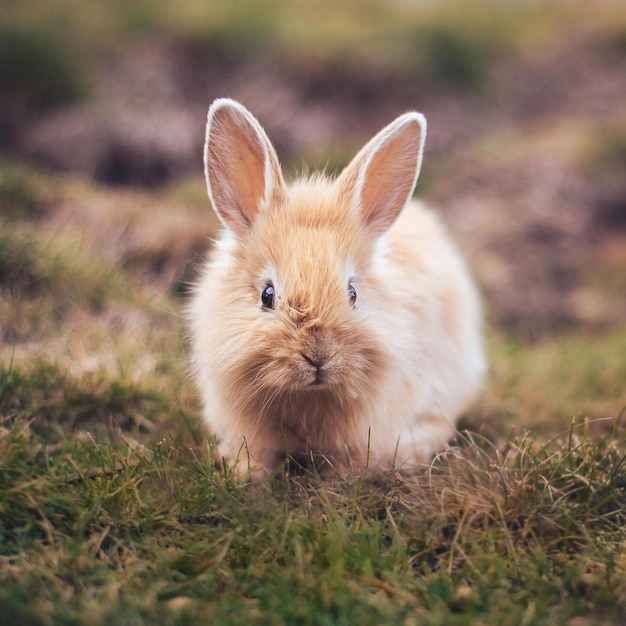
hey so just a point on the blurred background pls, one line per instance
(103, 107)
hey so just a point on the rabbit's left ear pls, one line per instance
(241, 166)
(380, 180)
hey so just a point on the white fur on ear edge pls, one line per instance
(389, 133)
(269, 171)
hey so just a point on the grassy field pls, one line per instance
(111, 511)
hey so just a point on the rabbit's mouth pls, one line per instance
(319, 381)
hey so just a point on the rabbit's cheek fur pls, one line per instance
(309, 359)
(282, 403)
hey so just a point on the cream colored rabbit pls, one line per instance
(334, 319)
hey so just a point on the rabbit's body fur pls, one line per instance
(375, 382)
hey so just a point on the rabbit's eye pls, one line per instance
(352, 294)
(267, 297)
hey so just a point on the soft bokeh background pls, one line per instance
(103, 211)
(526, 104)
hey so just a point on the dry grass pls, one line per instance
(100, 528)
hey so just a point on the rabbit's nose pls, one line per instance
(314, 354)
(313, 360)
(318, 375)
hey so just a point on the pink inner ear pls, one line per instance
(235, 167)
(389, 177)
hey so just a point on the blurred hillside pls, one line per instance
(102, 111)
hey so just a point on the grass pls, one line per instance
(111, 511)
(106, 529)
(36, 271)
(544, 386)
(23, 193)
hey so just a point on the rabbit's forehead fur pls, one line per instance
(309, 247)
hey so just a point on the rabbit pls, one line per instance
(334, 319)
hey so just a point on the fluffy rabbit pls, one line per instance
(334, 319)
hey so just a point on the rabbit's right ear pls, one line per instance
(380, 179)
(240, 164)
